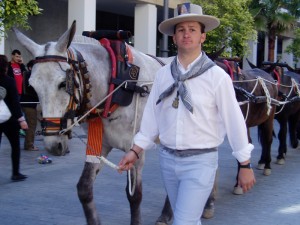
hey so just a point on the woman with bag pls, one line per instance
(11, 127)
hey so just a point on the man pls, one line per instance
(29, 99)
(191, 107)
(16, 68)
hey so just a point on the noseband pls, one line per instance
(77, 86)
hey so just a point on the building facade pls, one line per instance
(140, 17)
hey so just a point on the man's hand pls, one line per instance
(246, 179)
(127, 161)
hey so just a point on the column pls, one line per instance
(252, 56)
(145, 28)
(266, 48)
(286, 57)
(84, 12)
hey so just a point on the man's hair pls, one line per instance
(30, 64)
(16, 51)
(3, 65)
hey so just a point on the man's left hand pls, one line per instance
(246, 179)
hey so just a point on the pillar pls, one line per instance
(84, 12)
(145, 28)
(286, 57)
(252, 56)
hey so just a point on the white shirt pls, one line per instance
(216, 113)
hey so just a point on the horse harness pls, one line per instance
(78, 86)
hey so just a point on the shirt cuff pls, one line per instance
(244, 154)
(143, 142)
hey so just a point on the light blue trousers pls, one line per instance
(188, 182)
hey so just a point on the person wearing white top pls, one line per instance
(191, 108)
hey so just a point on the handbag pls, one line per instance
(5, 114)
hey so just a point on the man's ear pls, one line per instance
(174, 40)
(202, 38)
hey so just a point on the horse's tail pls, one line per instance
(259, 133)
(274, 134)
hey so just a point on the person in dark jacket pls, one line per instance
(16, 68)
(11, 127)
(29, 101)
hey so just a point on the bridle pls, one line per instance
(77, 86)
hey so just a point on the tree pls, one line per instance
(294, 48)
(274, 17)
(16, 12)
(236, 28)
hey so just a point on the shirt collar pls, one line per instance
(182, 69)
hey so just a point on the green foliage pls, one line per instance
(16, 12)
(236, 26)
(274, 16)
(294, 48)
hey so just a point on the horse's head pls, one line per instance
(49, 79)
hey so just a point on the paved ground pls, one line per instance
(49, 197)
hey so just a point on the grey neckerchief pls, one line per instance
(203, 64)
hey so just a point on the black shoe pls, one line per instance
(18, 177)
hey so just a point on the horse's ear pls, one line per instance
(65, 40)
(251, 64)
(29, 44)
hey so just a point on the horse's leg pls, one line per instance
(135, 199)
(266, 138)
(209, 208)
(166, 213)
(282, 141)
(298, 130)
(85, 192)
(208, 212)
(237, 190)
(293, 121)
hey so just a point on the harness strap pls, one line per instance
(106, 44)
(229, 68)
(95, 135)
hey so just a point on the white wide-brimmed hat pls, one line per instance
(188, 12)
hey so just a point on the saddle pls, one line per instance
(122, 68)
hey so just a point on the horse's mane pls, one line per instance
(86, 40)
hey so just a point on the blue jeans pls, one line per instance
(188, 182)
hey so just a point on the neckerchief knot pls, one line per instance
(203, 64)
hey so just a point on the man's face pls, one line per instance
(17, 58)
(188, 36)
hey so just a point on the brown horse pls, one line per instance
(288, 113)
(256, 91)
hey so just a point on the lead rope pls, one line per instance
(102, 158)
(263, 84)
(131, 192)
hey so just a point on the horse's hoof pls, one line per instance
(260, 166)
(208, 213)
(267, 172)
(160, 223)
(280, 161)
(237, 190)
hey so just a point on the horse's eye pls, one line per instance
(62, 85)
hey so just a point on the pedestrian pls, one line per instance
(16, 68)
(191, 107)
(29, 101)
(2, 96)
(11, 127)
